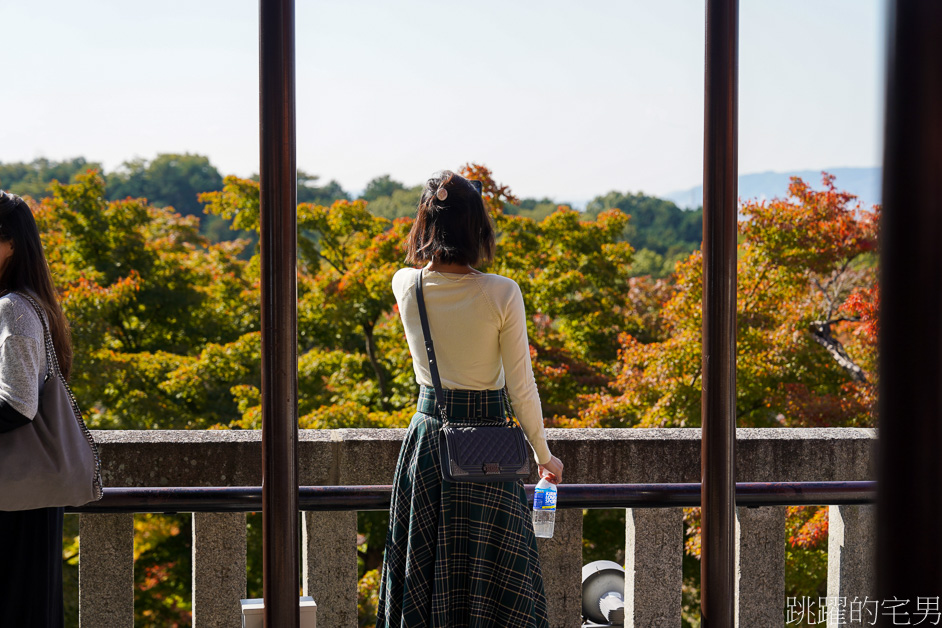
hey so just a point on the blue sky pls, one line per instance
(559, 99)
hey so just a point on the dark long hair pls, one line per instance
(451, 224)
(27, 271)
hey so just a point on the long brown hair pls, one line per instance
(27, 271)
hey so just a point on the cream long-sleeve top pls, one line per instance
(479, 328)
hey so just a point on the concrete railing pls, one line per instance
(654, 537)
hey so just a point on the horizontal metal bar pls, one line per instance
(249, 498)
(752, 494)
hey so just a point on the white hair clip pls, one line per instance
(442, 194)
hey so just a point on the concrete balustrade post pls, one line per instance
(329, 565)
(654, 543)
(218, 569)
(851, 556)
(760, 572)
(561, 563)
(106, 571)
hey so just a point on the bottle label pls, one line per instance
(544, 499)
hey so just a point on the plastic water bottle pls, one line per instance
(544, 509)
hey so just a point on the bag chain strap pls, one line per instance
(52, 364)
(433, 366)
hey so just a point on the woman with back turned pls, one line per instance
(31, 577)
(462, 554)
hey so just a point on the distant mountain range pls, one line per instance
(862, 182)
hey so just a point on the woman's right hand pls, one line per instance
(553, 470)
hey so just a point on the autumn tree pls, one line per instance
(350, 357)
(354, 364)
(804, 352)
(573, 276)
(145, 294)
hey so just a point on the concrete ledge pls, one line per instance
(368, 456)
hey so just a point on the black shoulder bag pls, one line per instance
(474, 451)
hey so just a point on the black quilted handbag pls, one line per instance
(474, 451)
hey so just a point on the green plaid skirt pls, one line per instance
(457, 554)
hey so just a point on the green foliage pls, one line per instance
(166, 322)
(400, 203)
(573, 276)
(655, 224)
(145, 294)
(238, 202)
(70, 561)
(319, 195)
(347, 258)
(690, 593)
(254, 586)
(806, 294)
(163, 568)
(382, 186)
(368, 599)
(33, 178)
(647, 263)
(217, 229)
(599, 529)
(806, 553)
(535, 209)
(169, 180)
(371, 540)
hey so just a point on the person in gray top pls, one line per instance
(22, 360)
(31, 577)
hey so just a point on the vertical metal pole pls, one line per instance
(718, 445)
(278, 179)
(909, 505)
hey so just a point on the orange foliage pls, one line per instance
(806, 324)
(495, 194)
(807, 526)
